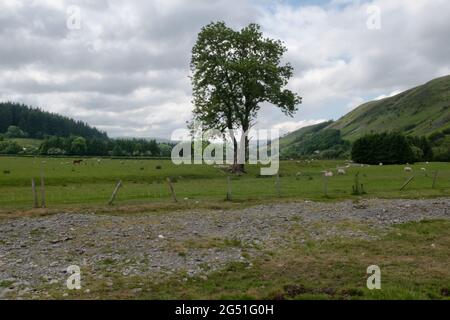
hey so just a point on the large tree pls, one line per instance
(234, 73)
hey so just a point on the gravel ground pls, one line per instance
(35, 252)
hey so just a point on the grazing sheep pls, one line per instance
(381, 163)
(423, 169)
(341, 172)
(328, 174)
(408, 169)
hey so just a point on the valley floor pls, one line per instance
(292, 250)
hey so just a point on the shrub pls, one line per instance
(442, 155)
(10, 147)
(55, 152)
(421, 147)
(15, 132)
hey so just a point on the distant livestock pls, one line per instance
(327, 173)
(77, 161)
(381, 163)
(341, 172)
(408, 169)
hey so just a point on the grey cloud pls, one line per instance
(127, 69)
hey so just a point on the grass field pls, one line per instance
(144, 182)
(28, 143)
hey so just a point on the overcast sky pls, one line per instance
(124, 65)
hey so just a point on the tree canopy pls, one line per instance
(234, 73)
(18, 120)
(387, 148)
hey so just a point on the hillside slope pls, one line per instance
(297, 136)
(419, 111)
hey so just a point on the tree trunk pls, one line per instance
(236, 168)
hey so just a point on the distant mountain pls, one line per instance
(37, 123)
(420, 111)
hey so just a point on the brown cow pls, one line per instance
(77, 161)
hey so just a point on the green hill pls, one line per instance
(295, 137)
(420, 111)
(316, 139)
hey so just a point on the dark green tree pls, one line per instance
(15, 132)
(387, 148)
(78, 146)
(37, 123)
(234, 73)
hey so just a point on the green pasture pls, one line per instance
(93, 181)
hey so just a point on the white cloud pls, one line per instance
(383, 96)
(127, 69)
(354, 102)
(289, 126)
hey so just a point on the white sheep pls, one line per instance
(381, 163)
(328, 174)
(408, 169)
(341, 172)
(423, 169)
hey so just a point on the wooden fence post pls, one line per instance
(172, 190)
(406, 183)
(229, 196)
(35, 196)
(434, 179)
(116, 189)
(277, 185)
(43, 205)
(325, 185)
